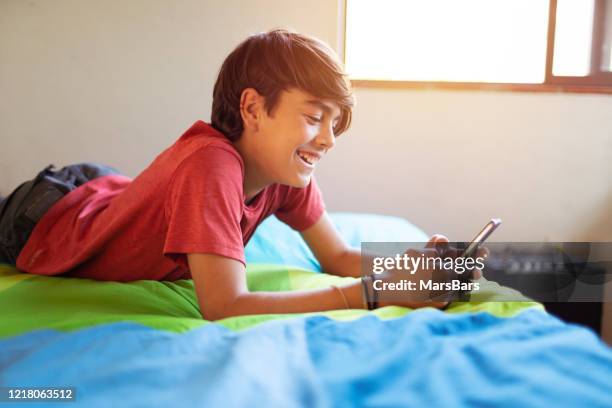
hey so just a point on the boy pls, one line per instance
(279, 103)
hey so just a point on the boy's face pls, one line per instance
(294, 138)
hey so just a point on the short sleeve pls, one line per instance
(302, 207)
(204, 206)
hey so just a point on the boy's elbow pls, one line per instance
(217, 311)
(212, 313)
(213, 316)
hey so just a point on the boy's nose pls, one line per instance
(326, 138)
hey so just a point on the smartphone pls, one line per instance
(481, 237)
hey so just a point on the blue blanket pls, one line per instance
(427, 358)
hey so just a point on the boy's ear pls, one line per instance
(251, 105)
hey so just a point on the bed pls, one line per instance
(144, 343)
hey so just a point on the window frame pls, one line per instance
(598, 81)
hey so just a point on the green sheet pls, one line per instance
(29, 302)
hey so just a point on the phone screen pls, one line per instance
(481, 237)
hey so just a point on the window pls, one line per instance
(518, 44)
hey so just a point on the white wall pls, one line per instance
(118, 81)
(449, 160)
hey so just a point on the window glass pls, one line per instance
(447, 40)
(573, 36)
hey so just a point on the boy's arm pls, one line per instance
(334, 255)
(221, 289)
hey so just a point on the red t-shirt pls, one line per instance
(190, 199)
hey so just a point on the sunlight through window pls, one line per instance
(447, 40)
(573, 37)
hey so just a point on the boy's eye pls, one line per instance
(314, 119)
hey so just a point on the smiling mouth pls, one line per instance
(308, 158)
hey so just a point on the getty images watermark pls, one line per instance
(545, 272)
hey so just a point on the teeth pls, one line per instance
(308, 158)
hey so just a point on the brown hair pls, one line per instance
(272, 62)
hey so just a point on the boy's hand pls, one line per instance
(440, 243)
(437, 246)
